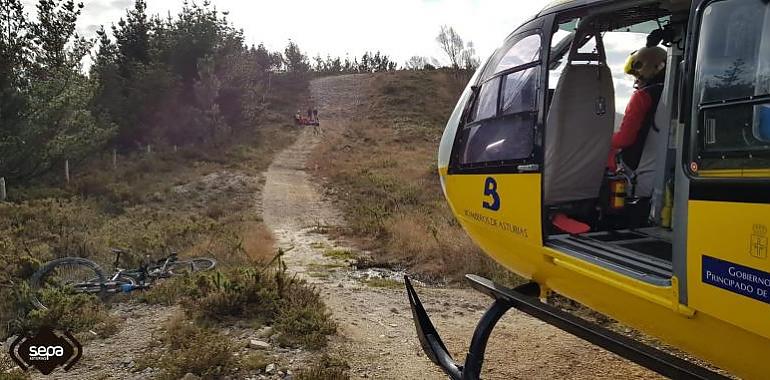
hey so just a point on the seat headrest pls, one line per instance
(599, 56)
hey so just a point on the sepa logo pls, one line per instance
(46, 351)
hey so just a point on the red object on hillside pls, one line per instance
(300, 120)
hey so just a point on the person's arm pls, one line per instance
(636, 111)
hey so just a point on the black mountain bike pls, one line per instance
(80, 275)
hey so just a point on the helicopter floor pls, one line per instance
(644, 254)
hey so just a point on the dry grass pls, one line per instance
(386, 181)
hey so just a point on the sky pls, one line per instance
(399, 28)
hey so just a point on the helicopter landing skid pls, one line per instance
(525, 298)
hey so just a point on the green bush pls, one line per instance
(326, 368)
(303, 320)
(76, 313)
(192, 349)
(260, 295)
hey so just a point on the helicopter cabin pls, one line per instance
(670, 237)
(633, 220)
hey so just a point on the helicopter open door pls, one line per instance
(493, 156)
(728, 163)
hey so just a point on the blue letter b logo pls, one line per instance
(490, 190)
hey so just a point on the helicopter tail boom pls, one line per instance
(525, 298)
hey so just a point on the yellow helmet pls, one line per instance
(646, 63)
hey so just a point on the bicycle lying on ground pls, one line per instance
(81, 275)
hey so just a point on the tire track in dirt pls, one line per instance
(376, 332)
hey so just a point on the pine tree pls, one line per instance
(295, 60)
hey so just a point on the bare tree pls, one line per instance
(452, 44)
(416, 63)
(468, 59)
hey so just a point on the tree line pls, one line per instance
(187, 79)
(175, 80)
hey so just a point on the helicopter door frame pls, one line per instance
(727, 207)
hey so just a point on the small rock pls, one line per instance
(280, 373)
(265, 332)
(394, 310)
(259, 344)
(270, 368)
(8, 342)
(190, 376)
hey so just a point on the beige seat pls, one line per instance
(579, 128)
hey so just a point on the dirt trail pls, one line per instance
(376, 330)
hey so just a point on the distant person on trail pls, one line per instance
(309, 114)
(315, 114)
(298, 118)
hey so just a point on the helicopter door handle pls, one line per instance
(528, 168)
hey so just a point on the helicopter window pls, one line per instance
(501, 123)
(521, 49)
(519, 91)
(498, 139)
(486, 106)
(734, 49)
(732, 85)
(525, 51)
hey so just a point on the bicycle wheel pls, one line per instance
(201, 264)
(74, 274)
(198, 264)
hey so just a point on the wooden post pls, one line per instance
(3, 194)
(67, 170)
(114, 159)
(149, 149)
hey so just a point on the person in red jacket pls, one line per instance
(647, 65)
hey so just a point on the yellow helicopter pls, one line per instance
(523, 165)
